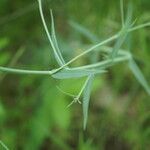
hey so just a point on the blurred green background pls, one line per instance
(33, 114)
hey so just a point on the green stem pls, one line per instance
(100, 44)
(48, 34)
(39, 72)
(88, 51)
(83, 87)
(124, 56)
(104, 64)
(122, 12)
(140, 26)
(20, 71)
(99, 64)
(4, 146)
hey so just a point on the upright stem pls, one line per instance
(122, 12)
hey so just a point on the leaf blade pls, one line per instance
(54, 39)
(123, 33)
(69, 73)
(139, 75)
(57, 57)
(86, 99)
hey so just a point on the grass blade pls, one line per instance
(120, 41)
(54, 39)
(86, 99)
(140, 26)
(59, 61)
(122, 12)
(3, 145)
(69, 73)
(123, 33)
(138, 75)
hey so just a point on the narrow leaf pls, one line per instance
(122, 12)
(86, 99)
(54, 39)
(119, 43)
(123, 33)
(139, 76)
(3, 145)
(68, 73)
(58, 59)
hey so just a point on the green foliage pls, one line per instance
(86, 99)
(139, 76)
(34, 111)
(78, 73)
(3, 145)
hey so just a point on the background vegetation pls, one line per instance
(33, 112)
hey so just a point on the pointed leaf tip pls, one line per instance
(139, 75)
(86, 99)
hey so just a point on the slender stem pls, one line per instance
(100, 44)
(20, 71)
(77, 98)
(99, 64)
(48, 34)
(140, 26)
(121, 52)
(14, 60)
(66, 93)
(104, 64)
(83, 87)
(54, 39)
(4, 146)
(124, 56)
(122, 12)
(87, 51)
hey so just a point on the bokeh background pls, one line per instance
(33, 114)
